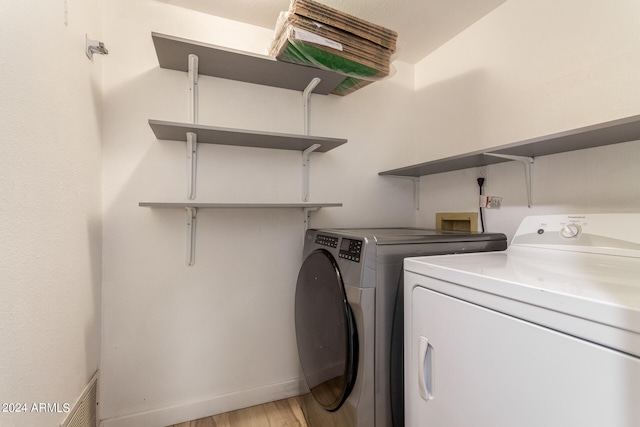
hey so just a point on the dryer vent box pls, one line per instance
(457, 221)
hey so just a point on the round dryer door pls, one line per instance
(325, 331)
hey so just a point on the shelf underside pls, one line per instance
(608, 133)
(246, 67)
(240, 137)
(182, 205)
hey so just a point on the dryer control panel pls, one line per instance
(330, 241)
(350, 249)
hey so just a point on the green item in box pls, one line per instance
(299, 52)
(350, 84)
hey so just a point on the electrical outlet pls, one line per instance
(494, 202)
(481, 172)
(490, 202)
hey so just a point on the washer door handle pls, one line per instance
(425, 368)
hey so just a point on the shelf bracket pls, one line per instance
(193, 88)
(307, 217)
(191, 235)
(306, 95)
(528, 171)
(192, 161)
(416, 188)
(416, 191)
(306, 165)
(192, 138)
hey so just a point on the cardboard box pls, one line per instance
(316, 35)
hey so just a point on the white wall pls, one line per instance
(50, 213)
(531, 69)
(182, 342)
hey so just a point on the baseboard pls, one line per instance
(217, 405)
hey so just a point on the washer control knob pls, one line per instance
(570, 231)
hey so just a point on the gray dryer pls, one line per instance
(348, 314)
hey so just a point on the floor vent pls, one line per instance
(84, 412)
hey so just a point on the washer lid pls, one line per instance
(539, 285)
(325, 331)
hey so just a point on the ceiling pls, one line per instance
(422, 25)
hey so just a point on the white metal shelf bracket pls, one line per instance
(192, 138)
(416, 189)
(193, 88)
(306, 95)
(528, 171)
(307, 217)
(192, 162)
(306, 166)
(191, 235)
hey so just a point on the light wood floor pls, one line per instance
(280, 413)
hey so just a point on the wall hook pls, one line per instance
(94, 46)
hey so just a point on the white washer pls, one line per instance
(546, 333)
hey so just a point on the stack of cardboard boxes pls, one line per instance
(313, 34)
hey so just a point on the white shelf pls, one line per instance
(247, 67)
(191, 210)
(175, 131)
(608, 133)
(183, 205)
(614, 132)
(197, 59)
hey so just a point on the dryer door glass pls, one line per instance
(325, 331)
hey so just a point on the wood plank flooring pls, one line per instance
(281, 413)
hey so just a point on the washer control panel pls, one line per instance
(350, 249)
(610, 234)
(570, 231)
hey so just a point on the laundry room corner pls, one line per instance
(178, 337)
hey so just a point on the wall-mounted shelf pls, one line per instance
(246, 67)
(182, 205)
(608, 133)
(198, 59)
(192, 208)
(175, 131)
